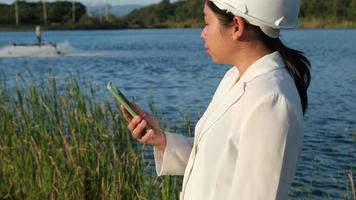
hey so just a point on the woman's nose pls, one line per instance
(202, 34)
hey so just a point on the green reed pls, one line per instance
(63, 145)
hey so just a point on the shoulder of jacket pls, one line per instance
(275, 82)
(273, 86)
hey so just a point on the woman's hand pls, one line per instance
(145, 128)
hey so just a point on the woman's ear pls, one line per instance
(239, 27)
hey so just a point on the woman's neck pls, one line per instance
(248, 55)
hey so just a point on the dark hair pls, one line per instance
(296, 63)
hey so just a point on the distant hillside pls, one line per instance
(57, 12)
(189, 13)
(118, 11)
(165, 14)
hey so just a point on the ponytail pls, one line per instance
(297, 65)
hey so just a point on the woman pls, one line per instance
(247, 143)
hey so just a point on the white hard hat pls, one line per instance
(269, 15)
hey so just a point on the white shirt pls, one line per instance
(38, 31)
(248, 141)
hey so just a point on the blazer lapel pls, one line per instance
(215, 114)
(227, 97)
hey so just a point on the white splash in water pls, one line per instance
(46, 50)
(66, 48)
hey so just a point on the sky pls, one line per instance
(98, 2)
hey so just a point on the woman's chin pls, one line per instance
(216, 60)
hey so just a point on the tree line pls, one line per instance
(54, 15)
(58, 12)
(329, 9)
(187, 13)
(165, 14)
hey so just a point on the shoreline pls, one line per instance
(106, 29)
(304, 24)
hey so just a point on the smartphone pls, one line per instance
(121, 99)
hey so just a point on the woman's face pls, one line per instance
(216, 37)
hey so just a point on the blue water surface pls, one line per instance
(171, 66)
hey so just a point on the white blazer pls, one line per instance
(246, 144)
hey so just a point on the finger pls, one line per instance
(139, 131)
(134, 122)
(138, 110)
(147, 137)
(126, 114)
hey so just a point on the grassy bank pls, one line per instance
(326, 23)
(68, 26)
(304, 23)
(63, 143)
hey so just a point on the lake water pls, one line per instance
(171, 66)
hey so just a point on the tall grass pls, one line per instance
(63, 145)
(59, 143)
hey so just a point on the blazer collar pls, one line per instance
(263, 65)
(214, 112)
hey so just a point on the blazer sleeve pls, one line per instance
(269, 146)
(174, 159)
